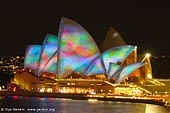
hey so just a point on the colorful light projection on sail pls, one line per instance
(51, 67)
(96, 67)
(116, 55)
(49, 47)
(76, 47)
(127, 70)
(82, 68)
(113, 69)
(32, 56)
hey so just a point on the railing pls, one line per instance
(154, 81)
(144, 90)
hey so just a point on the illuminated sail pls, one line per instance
(76, 47)
(127, 70)
(113, 69)
(49, 47)
(82, 68)
(112, 39)
(96, 67)
(51, 66)
(116, 55)
(74, 50)
(32, 56)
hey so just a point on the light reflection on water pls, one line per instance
(63, 105)
(156, 109)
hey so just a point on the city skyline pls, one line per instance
(145, 26)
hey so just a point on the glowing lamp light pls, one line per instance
(92, 100)
(42, 90)
(18, 57)
(49, 90)
(149, 76)
(148, 55)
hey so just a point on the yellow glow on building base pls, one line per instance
(42, 90)
(92, 100)
(149, 76)
(14, 89)
(127, 91)
(49, 90)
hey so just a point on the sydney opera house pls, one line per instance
(71, 62)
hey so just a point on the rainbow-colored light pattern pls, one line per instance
(49, 48)
(32, 54)
(83, 68)
(96, 67)
(127, 70)
(74, 50)
(76, 47)
(51, 66)
(116, 54)
(113, 69)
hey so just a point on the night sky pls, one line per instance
(146, 25)
(143, 24)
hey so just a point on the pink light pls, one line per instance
(15, 97)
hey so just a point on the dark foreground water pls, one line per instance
(18, 104)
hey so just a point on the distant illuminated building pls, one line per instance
(9, 64)
(74, 54)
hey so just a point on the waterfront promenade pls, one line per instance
(151, 99)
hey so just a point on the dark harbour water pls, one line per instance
(19, 104)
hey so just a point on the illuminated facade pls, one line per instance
(73, 52)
